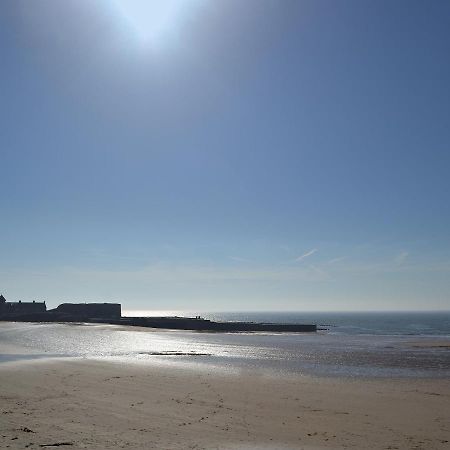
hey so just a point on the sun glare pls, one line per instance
(153, 22)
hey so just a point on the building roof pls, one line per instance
(2, 299)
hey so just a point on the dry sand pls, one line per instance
(97, 405)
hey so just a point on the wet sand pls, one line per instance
(103, 405)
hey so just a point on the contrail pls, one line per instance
(305, 255)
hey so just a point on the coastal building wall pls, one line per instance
(20, 308)
(91, 310)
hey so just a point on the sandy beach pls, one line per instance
(104, 405)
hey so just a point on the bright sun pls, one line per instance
(153, 21)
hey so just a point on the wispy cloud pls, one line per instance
(238, 259)
(305, 255)
(336, 260)
(319, 271)
(401, 258)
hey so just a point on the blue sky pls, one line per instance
(226, 155)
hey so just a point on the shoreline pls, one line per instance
(100, 404)
(320, 355)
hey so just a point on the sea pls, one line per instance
(368, 345)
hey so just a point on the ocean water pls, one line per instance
(351, 345)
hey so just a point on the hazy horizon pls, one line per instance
(226, 155)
